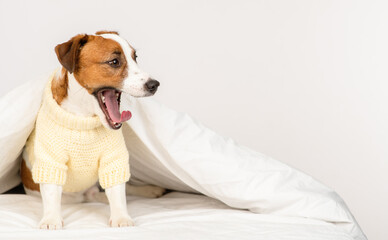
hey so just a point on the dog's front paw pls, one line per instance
(51, 223)
(121, 221)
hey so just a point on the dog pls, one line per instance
(77, 139)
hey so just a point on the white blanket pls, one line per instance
(172, 150)
(174, 216)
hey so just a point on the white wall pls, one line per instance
(302, 81)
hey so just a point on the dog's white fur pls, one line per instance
(52, 195)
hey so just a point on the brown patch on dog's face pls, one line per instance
(106, 32)
(101, 63)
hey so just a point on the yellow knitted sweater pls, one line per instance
(75, 151)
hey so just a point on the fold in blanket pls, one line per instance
(172, 150)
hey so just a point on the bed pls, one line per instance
(173, 216)
(220, 190)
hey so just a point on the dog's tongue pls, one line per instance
(113, 107)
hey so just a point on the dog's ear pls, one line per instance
(68, 52)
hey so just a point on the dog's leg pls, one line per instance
(118, 206)
(51, 198)
(148, 191)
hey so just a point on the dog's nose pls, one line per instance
(152, 85)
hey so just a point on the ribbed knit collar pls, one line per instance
(63, 117)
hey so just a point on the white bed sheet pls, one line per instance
(173, 216)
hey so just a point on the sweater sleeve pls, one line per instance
(50, 161)
(114, 164)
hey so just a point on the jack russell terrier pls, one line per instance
(77, 139)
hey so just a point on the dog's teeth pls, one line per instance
(103, 99)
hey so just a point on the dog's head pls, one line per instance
(105, 65)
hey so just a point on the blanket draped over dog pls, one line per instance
(172, 150)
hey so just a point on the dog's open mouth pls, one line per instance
(109, 100)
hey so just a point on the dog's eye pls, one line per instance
(114, 63)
